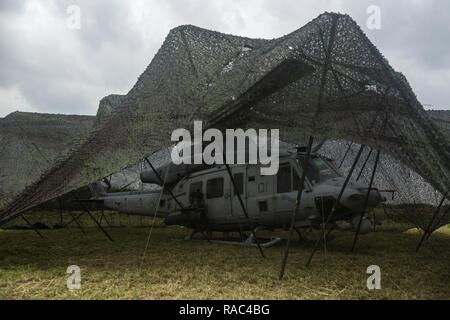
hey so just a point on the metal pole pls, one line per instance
(244, 208)
(297, 208)
(75, 218)
(430, 225)
(104, 217)
(32, 227)
(366, 200)
(364, 165)
(163, 185)
(347, 180)
(60, 212)
(92, 216)
(439, 222)
(172, 195)
(345, 155)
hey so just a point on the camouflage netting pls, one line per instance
(325, 79)
(29, 145)
(410, 198)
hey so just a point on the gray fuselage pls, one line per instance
(269, 200)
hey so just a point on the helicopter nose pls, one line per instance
(375, 198)
(355, 200)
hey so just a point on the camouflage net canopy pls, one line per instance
(325, 79)
(29, 145)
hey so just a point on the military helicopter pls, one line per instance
(211, 198)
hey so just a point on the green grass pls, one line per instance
(34, 268)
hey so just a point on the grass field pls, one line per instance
(34, 268)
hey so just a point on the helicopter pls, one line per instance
(210, 198)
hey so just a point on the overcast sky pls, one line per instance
(47, 67)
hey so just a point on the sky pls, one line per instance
(48, 64)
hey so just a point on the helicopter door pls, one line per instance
(283, 188)
(260, 201)
(239, 175)
(217, 197)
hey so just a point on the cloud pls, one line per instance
(47, 67)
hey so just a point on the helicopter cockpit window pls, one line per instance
(214, 188)
(319, 170)
(284, 179)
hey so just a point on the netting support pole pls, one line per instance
(345, 155)
(297, 208)
(324, 235)
(92, 216)
(364, 165)
(75, 218)
(60, 212)
(244, 209)
(32, 227)
(172, 195)
(103, 217)
(439, 222)
(366, 200)
(428, 230)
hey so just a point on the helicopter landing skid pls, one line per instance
(250, 243)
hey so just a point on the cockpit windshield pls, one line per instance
(319, 170)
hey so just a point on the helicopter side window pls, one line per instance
(284, 179)
(214, 188)
(319, 170)
(239, 180)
